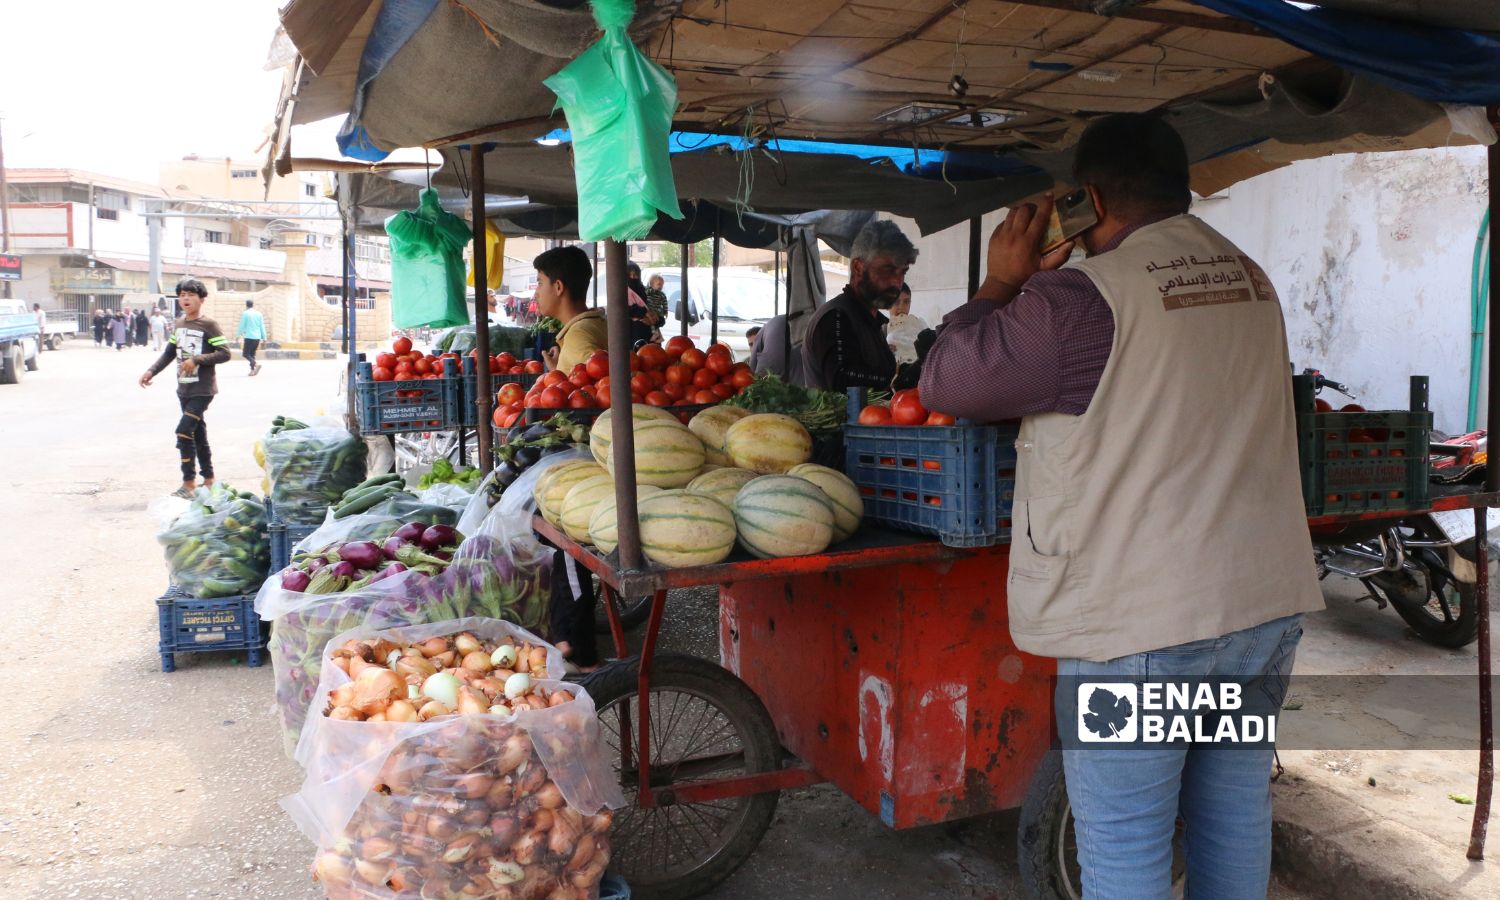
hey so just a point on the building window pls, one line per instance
(112, 215)
(310, 189)
(243, 173)
(265, 243)
(213, 237)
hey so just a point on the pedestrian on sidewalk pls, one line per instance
(101, 325)
(119, 330)
(142, 327)
(252, 331)
(198, 347)
(158, 329)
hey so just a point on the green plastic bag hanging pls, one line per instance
(427, 266)
(619, 106)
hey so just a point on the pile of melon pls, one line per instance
(728, 475)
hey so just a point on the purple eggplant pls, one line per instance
(410, 533)
(392, 544)
(314, 565)
(439, 536)
(362, 554)
(295, 580)
(443, 555)
(344, 569)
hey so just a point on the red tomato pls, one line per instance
(694, 359)
(1351, 407)
(723, 391)
(382, 373)
(510, 395)
(532, 401)
(657, 398)
(388, 360)
(742, 379)
(1321, 405)
(635, 361)
(500, 413)
(720, 364)
(601, 398)
(705, 378)
(601, 387)
(658, 377)
(907, 409)
(514, 415)
(403, 371)
(678, 345)
(705, 396)
(552, 398)
(875, 414)
(422, 366)
(675, 391)
(533, 367)
(495, 367)
(652, 357)
(640, 383)
(402, 346)
(580, 379)
(679, 375)
(506, 359)
(937, 418)
(582, 399)
(552, 378)
(516, 370)
(598, 364)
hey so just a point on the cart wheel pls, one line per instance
(1046, 846)
(705, 724)
(632, 612)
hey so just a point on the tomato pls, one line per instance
(532, 401)
(514, 416)
(658, 377)
(404, 372)
(552, 378)
(907, 409)
(1321, 405)
(723, 391)
(875, 414)
(657, 398)
(402, 346)
(507, 359)
(388, 360)
(582, 399)
(720, 364)
(678, 345)
(742, 379)
(533, 367)
(705, 378)
(500, 413)
(598, 364)
(382, 373)
(705, 396)
(652, 357)
(422, 366)
(495, 367)
(580, 379)
(602, 385)
(635, 361)
(937, 418)
(675, 391)
(516, 370)
(510, 394)
(602, 398)
(694, 359)
(1351, 407)
(679, 375)
(552, 398)
(640, 383)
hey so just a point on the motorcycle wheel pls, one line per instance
(1437, 606)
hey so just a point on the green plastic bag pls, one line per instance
(619, 106)
(427, 266)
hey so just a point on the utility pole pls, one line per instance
(4, 209)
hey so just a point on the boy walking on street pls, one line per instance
(252, 332)
(197, 346)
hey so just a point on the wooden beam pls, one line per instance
(319, 27)
(1172, 17)
(496, 128)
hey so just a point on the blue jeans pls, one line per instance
(1126, 799)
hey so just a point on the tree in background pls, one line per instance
(702, 255)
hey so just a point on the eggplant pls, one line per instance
(556, 448)
(440, 536)
(410, 533)
(362, 554)
(295, 580)
(344, 570)
(537, 432)
(392, 544)
(526, 457)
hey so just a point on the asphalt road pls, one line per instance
(122, 781)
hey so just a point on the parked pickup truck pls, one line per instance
(61, 325)
(20, 340)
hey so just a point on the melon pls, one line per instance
(604, 525)
(680, 528)
(578, 505)
(549, 501)
(722, 484)
(848, 508)
(768, 443)
(710, 426)
(602, 430)
(783, 515)
(539, 487)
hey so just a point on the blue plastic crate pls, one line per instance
(395, 407)
(190, 625)
(283, 538)
(468, 414)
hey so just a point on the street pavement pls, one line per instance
(122, 781)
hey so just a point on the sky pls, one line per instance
(118, 88)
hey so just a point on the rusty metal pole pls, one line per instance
(1486, 787)
(485, 400)
(683, 303)
(622, 438)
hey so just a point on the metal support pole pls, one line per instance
(345, 279)
(786, 333)
(713, 329)
(683, 303)
(594, 252)
(622, 443)
(974, 244)
(485, 401)
(153, 251)
(776, 286)
(4, 212)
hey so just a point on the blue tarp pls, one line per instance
(394, 25)
(1444, 65)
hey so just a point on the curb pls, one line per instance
(1330, 846)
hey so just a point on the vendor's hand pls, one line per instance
(146, 379)
(188, 366)
(1015, 247)
(550, 355)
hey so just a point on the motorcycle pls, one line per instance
(1422, 566)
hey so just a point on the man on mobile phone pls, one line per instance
(1118, 566)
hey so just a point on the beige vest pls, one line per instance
(1171, 510)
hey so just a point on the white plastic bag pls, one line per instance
(478, 805)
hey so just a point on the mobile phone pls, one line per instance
(1072, 215)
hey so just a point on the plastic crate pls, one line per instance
(395, 407)
(957, 482)
(1363, 461)
(190, 625)
(468, 412)
(283, 538)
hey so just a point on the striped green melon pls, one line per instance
(604, 525)
(666, 453)
(848, 508)
(680, 528)
(539, 487)
(710, 426)
(549, 502)
(722, 484)
(768, 443)
(578, 505)
(601, 432)
(783, 515)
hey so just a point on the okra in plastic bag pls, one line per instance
(431, 773)
(310, 469)
(218, 547)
